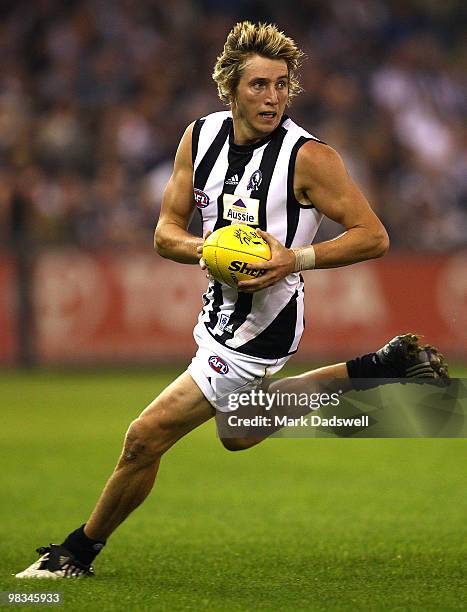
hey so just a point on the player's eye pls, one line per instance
(282, 84)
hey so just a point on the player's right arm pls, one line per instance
(171, 239)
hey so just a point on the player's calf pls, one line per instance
(238, 444)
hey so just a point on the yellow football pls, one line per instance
(229, 250)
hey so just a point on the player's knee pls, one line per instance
(145, 442)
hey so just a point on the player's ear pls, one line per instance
(233, 102)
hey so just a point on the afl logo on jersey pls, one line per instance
(201, 199)
(218, 364)
(255, 180)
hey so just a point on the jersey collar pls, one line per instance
(255, 145)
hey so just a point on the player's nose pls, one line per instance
(271, 95)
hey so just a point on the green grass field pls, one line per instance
(293, 524)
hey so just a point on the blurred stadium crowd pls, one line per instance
(95, 94)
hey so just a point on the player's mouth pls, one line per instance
(268, 115)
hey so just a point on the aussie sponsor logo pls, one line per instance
(241, 217)
(218, 364)
(240, 209)
(201, 198)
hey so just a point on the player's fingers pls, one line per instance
(256, 284)
(208, 233)
(250, 287)
(260, 265)
(268, 237)
(202, 264)
(247, 287)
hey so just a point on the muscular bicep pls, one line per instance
(324, 181)
(171, 238)
(177, 202)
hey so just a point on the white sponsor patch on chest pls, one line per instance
(240, 209)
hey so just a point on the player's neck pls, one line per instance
(245, 134)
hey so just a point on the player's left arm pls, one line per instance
(322, 180)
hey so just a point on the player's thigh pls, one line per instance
(178, 409)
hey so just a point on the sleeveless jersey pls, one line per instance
(253, 184)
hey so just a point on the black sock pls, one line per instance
(83, 548)
(368, 372)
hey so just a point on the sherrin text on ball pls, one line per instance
(228, 251)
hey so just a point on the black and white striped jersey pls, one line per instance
(253, 184)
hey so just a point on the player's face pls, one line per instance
(260, 99)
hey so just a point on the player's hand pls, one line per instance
(281, 264)
(199, 252)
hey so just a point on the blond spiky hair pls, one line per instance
(246, 39)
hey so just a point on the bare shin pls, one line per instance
(178, 410)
